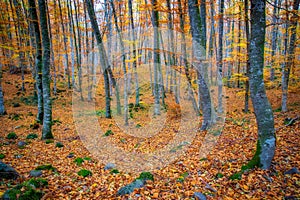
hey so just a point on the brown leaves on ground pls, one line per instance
(179, 180)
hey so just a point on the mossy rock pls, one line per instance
(31, 136)
(26, 190)
(12, 135)
(85, 173)
(46, 167)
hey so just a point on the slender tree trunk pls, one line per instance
(266, 142)
(126, 82)
(102, 54)
(291, 56)
(246, 107)
(199, 38)
(47, 120)
(156, 57)
(274, 32)
(65, 39)
(2, 108)
(220, 57)
(38, 60)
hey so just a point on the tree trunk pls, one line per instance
(220, 57)
(38, 60)
(199, 41)
(291, 57)
(67, 67)
(2, 108)
(263, 112)
(47, 120)
(274, 32)
(156, 58)
(246, 107)
(102, 55)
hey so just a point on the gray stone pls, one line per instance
(21, 143)
(35, 173)
(109, 166)
(199, 196)
(294, 170)
(128, 189)
(7, 172)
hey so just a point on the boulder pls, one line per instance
(7, 172)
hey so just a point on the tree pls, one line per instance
(156, 56)
(266, 142)
(2, 108)
(199, 44)
(290, 58)
(102, 55)
(47, 118)
(38, 59)
(220, 57)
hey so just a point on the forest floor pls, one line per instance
(179, 180)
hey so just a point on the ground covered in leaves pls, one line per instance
(73, 172)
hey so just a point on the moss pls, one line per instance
(26, 190)
(78, 161)
(219, 175)
(32, 136)
(146, 176)
(37, 183)
(12, 135)
(49, 141)
(85, 173)
(46, 167)
(236, 176)
(114, 171)
(108, 133)
(59, 145)
(2, 156)
(254, 162)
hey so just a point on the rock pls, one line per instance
(199, 196)
(35, 173)
(15, 105)
(71, 155)
(109, 166)
(18, 156)
(294, 170)
(7, 172)
(20, 126)
(128, 189)
(21, 143)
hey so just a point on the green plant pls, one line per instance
(49, 141)
(46, 167)
(12, 135)
(84, 173)
(146, 176)
(108, 133)
(78, 161)
(32, 136)
(59, 145)
(114, 171)
(2, 156)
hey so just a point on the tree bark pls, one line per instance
(199, 38)
(38, 60)
(47, 119)
(266, 142)
(102, 55)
